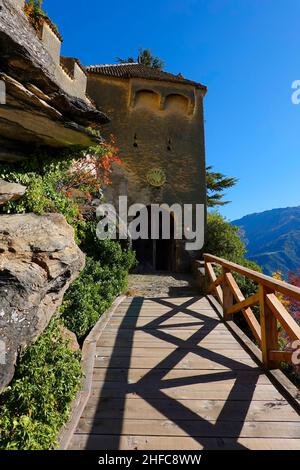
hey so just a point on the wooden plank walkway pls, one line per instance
(170, 375)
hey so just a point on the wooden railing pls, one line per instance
(225, 288)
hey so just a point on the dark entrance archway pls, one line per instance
(156, 254)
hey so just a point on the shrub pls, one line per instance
(106, 251)
(43, 193)
(34, 12)
(103, 278)
(222, 238)
(63, 182)
(37, 403)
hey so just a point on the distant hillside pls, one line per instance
(272, 239)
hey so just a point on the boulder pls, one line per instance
(38, 260)
(70, 337)
(10, 191)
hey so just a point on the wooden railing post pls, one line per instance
(269, 331)
(227, 296)
(272, 312)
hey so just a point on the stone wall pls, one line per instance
(74, 83)
(19, 3)
(51, 42)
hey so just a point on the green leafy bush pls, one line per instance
(106, 251)
(43, 192)
(103, 278)
(223, 240)
(36, 405)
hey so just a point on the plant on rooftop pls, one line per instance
(144, 57)
(36, 16)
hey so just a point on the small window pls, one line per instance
(147, 99)
(177, 103)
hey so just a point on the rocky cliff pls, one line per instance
(43, 105)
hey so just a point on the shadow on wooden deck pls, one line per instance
(152, 386)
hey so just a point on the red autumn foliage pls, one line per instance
(295, 304)
(92, 171)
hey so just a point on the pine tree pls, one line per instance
(216, 184)
(144, 57)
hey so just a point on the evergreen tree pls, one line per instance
(216, 184)
(144, 57)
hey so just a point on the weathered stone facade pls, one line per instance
(157, 123)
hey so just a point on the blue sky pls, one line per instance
(246, 51)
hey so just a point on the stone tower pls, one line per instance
(157, 121)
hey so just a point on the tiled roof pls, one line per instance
(136, 70)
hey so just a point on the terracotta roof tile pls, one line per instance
(136, 70)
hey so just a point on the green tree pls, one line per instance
(223, 240)
(216, 184)
(144, 57)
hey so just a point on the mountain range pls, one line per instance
(272, 239)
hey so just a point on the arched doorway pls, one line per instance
(156, 254)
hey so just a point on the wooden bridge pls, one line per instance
(177, 372)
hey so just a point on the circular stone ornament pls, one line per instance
(156, 177)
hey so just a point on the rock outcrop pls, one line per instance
(38, 260)
(10, 191)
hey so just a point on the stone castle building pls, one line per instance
(157, 120)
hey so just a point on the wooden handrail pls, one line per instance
(272, 311)
(283, 316)
(275, 284)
